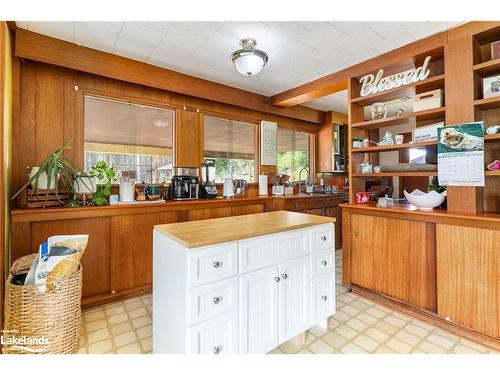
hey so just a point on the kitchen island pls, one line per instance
(241, 284)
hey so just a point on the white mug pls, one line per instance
(399, 139)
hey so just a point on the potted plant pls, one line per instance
(53, 169)
(105, 177)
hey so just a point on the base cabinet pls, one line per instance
(243, 297)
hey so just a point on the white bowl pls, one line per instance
(425, 201)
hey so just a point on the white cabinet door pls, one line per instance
(294, 311)
(322, 297)
(259, 310)
(215, 336)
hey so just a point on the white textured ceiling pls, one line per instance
(299, 52)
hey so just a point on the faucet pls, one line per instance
(300, 174)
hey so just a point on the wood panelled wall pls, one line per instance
(51, 110)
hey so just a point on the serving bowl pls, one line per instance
(425, 201)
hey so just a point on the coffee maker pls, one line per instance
(208, 189)
(185, 184)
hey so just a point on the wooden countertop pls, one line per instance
(486, 220)
(192, 234)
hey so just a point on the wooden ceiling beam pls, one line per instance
(337, 81)
(37, 47)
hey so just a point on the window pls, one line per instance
(232, 145)
(293, 152)
(135, 140)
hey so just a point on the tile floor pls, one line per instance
(359, 326)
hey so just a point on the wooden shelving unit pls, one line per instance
(488, 103)
(394, 147)
(395, 174)
(487, 68)
(492, 173)
(492, 137)
(434, 113)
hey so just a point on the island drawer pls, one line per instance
(321, 263)
(269, 250)
(322, 297)
(212, 264)
(215, 336)
(322, 238)
(208, 301)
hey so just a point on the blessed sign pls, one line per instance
(371, 84)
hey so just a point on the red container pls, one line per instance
(362, 198)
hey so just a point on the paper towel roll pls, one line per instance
(228, 190)
(262, 184)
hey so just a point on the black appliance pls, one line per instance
(208, 189)
(185, 184)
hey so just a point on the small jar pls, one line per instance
(366, 143)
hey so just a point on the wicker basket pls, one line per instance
(54, 316)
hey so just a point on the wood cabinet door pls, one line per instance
(259, 310)
(336, 212)
(468, 277)
(294, 309)
(132, 249)
(189, 136)
(95, 259)
(394, 257)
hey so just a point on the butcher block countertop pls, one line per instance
(193, 234)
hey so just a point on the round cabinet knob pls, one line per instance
(356, 234)
(284, 276)
(323, 238)
(324, 262)
(277, 279)
(324, 298)
(217, 264)
(217, 349)
(217, 300)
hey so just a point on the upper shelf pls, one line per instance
(431, 83)
(488, 103)
(394, 174)
(394, 147)
(487, 68)
(427, 114)
(492, 137)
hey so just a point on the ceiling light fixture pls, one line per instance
(248, 60)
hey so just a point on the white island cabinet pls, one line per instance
(241, 284)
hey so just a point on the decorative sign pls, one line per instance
(268, 131)
(461, 155)
(371, 84)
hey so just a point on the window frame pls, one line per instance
(311, 146)
(255, 123)
(102, 94)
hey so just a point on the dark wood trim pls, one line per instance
(428, 317)
(111, 297)
(33, 46)
(337, 81)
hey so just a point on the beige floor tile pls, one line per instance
(115, 309)
(377, 313)
(132, 305)
(386, 328)
(141, 311)
(310, 338)
(398, 346)
(408, 338)
(462, 349)
(349, 310)
(276, 351)
(341, 316)
(345, 298)
(305, 351)
(430, 348)
(360, 305)
(98, 335)
(441, 341)
(352, 349)
(383, 308)
(144, 332)
(401, 316)
(289, 347)
(391, 319)
(120, 328)
(95, 325)
(332, 323)
(320, 347)
(366, 343)
(318, 331)
(357, 325)
(416, 330)
(367, 301)
(423, 325)
(83, 341)
(376, 335)
(118, 318)
(473, 345)
(125, 339)
(147, 344)
(130, 349)
(346, 331)
(446, 334)
(141, 321)
(93, 315)
(82, 351)
(150, 309)
(100, 347)
(385, 350)
(335, 340)
(367, 318)
(147, 300)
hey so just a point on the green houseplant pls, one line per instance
(53, 169)
(105, 176)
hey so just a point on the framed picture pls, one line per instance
(495, 50)
(491, 86)
(426, 133)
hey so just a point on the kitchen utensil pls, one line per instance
(185, 183)
(208, 189)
